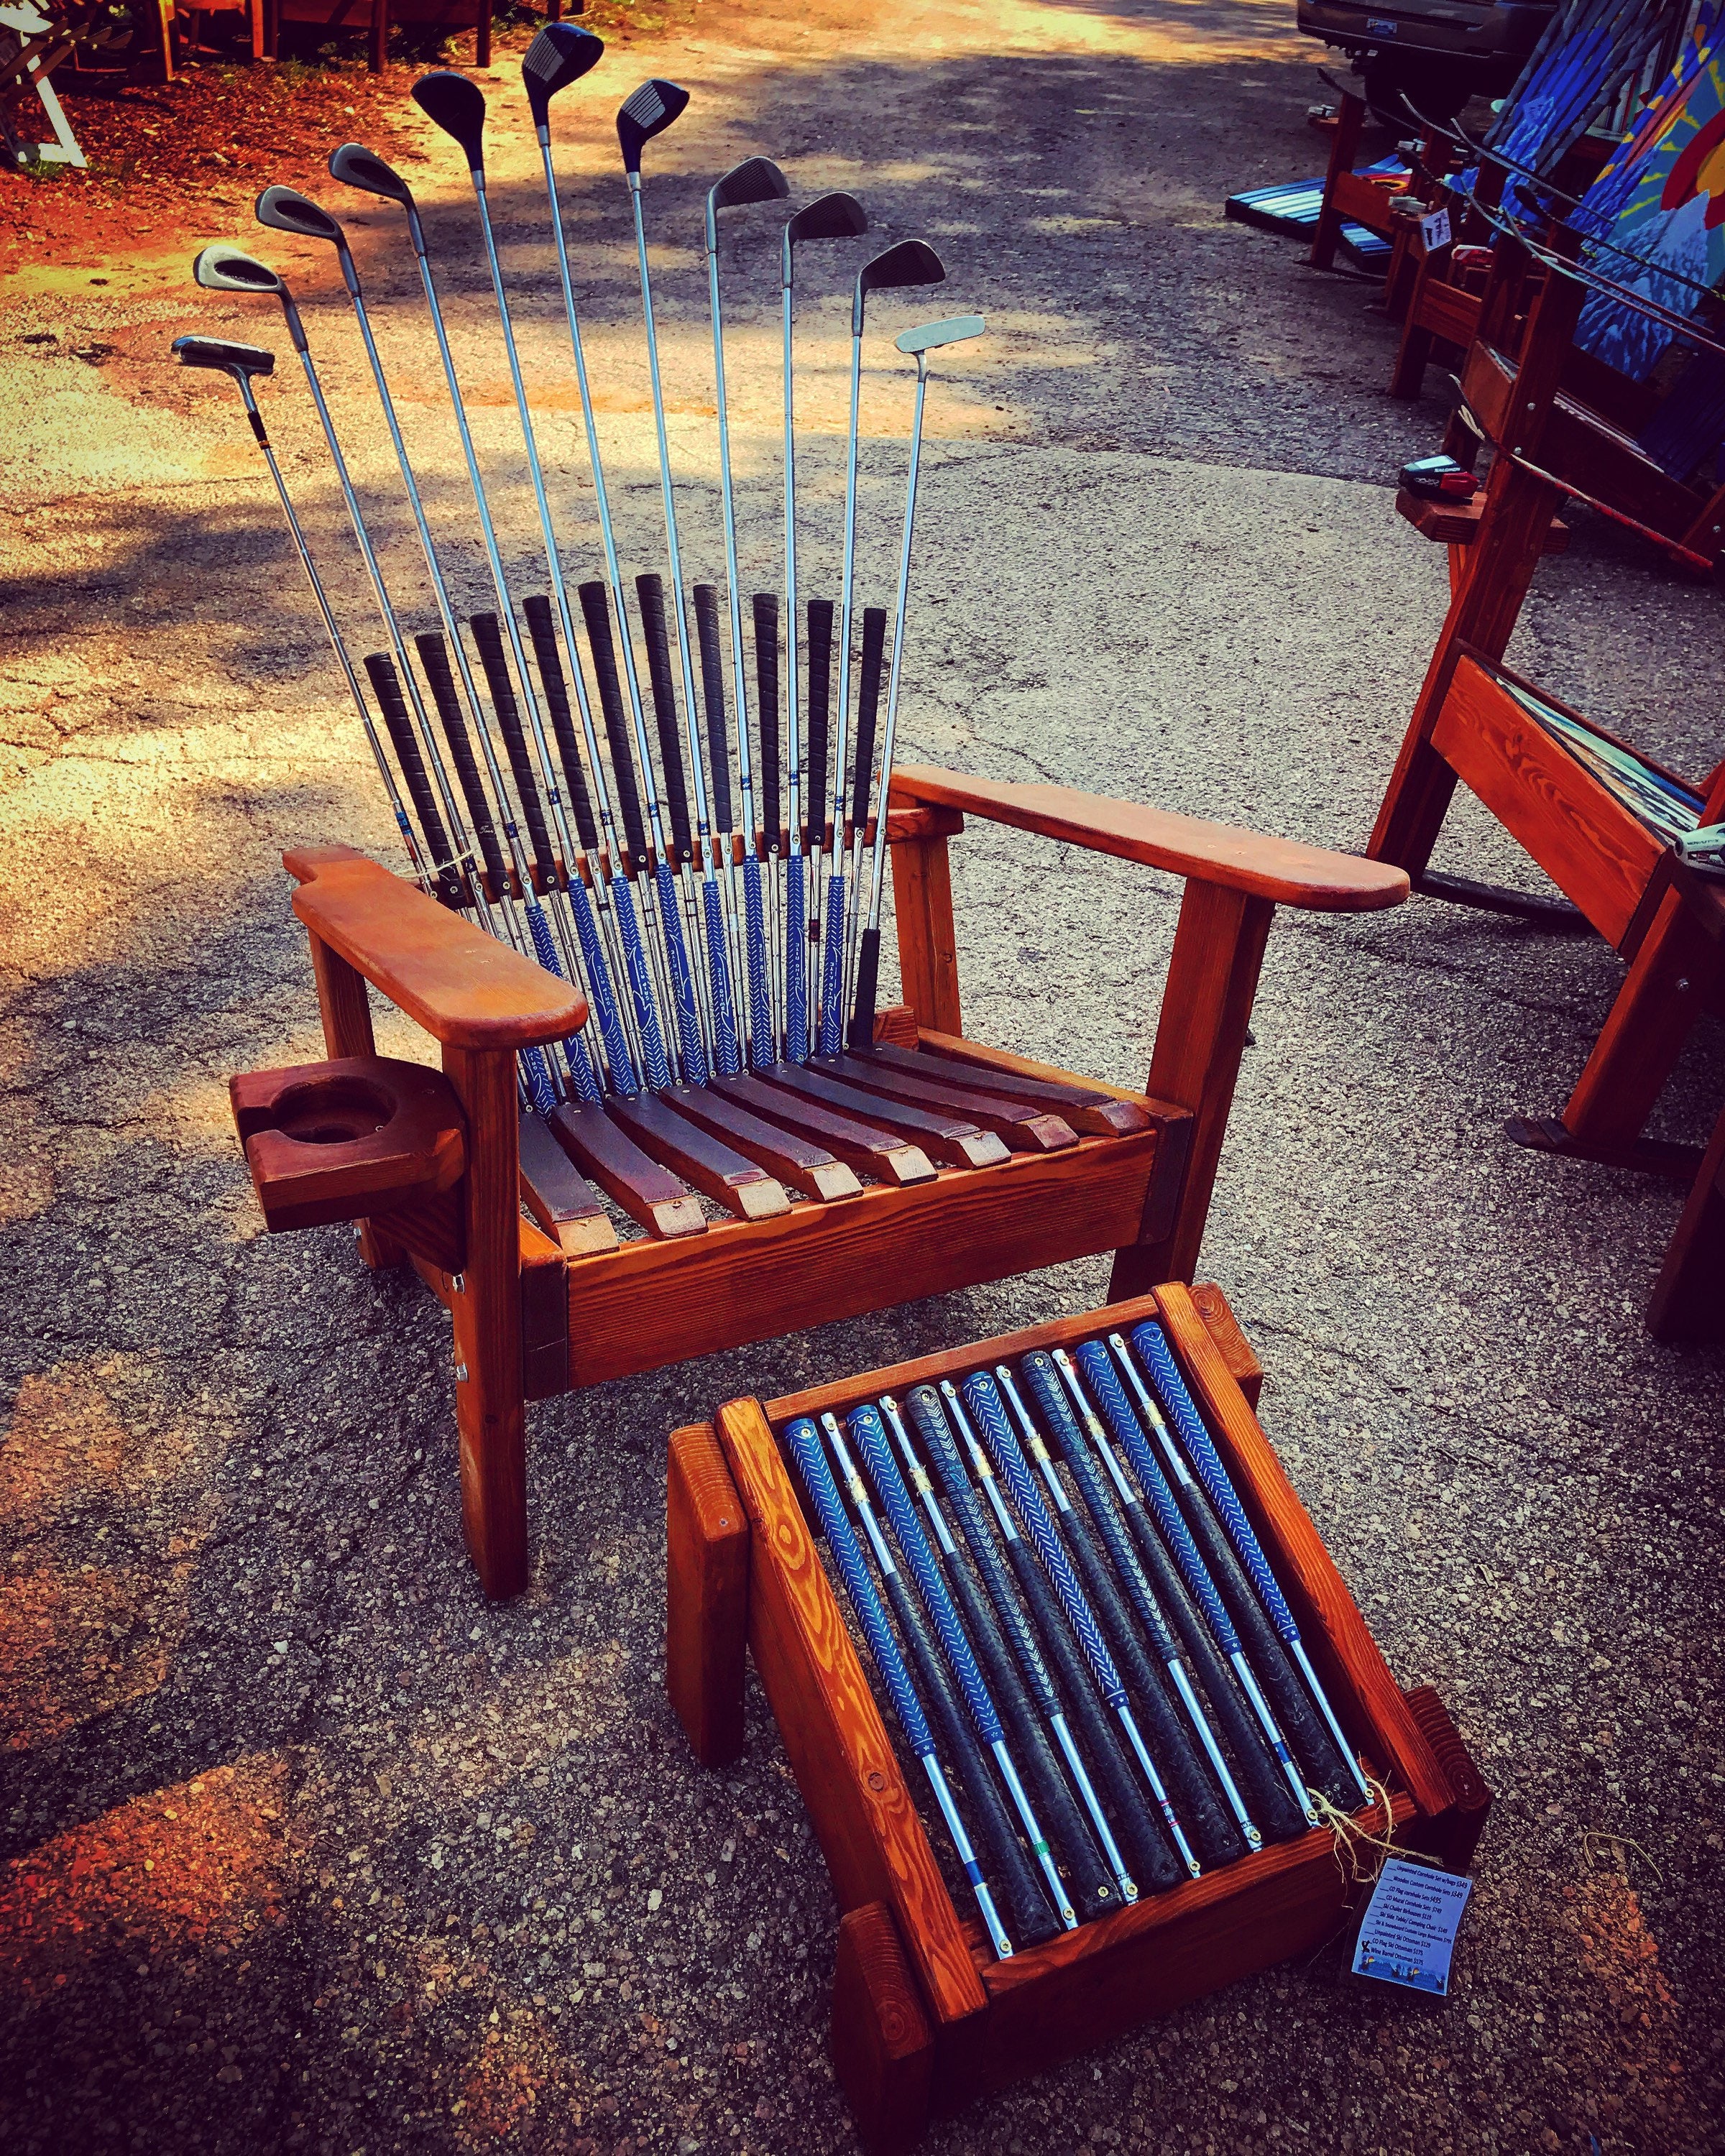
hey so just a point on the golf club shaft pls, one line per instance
(796, 924)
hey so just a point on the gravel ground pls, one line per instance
(307, 1846)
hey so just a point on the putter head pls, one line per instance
(648, 112)
(911, 262)
(241, 360)
(932, 336)
(284, 210)
(459, 107)
(225, 269)
(561, 54)
(356, 166)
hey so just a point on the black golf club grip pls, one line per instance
(861, 1034)
(820, 703)
(596, 612)
(765, 610)
(1031, 1919)
(489, 638)
(541, 626)
(434, 658)
(385, 685)
(1148, 1851)
(868, 710)
(712, 695)
(650, 592)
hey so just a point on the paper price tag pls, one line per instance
(1435, 230)
(1408, 1932)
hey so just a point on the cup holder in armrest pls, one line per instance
(341, 1141)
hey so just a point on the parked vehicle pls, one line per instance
(1441, 53)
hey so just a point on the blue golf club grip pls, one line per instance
(866, 1427)
(603, 994)
(796, 959)
(540, 1090)
(640, 988)
(682, 977)
(724, 1048)
(804, 1442)
(754, 933)
(832, 983)
(1164, 1375)
(983, 1398)
(1092, 1359)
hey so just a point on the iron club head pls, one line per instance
(754, 180)
(356, 166)
(932, 336)
(561, 54)
(459, 107)
(284, 210)
(241, 360)
(828, 217)
(648, 112)
(224, 268)
(911, 262)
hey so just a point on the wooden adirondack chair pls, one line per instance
(438, 1171)
(1688, 1306)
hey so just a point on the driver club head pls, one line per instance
(930, 336)
(224, 268)
(241, 360)
(648, 112)
(754, 180)
(356, 166)
(284, 209)
(911, 262)
(560, 54)
(458, 107)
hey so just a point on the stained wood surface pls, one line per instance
(1365, 1696)
(1453, 1836)
(1020, 1124)
(715, 1169)
(1457, 523)
(844, 1763)
(1232, 1345)
(347, 1013)
(883, 2050)
(706, 1595)
(896, 1027)
(867, 1148)
(1090, 1106)
(559, 1197)
(1596, 852)
(490, 1411)
(338, 1140)
(796, 1160)
(466, 989)
(655, 1302)
(646, 1192)
(545, 1316)
(1688, 1301)
(927, 940)
(1644, 1031)
(1280, 870)
(942, 1136)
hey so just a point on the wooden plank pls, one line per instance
(545, 1316)
(866, 1147)
(657, 1302)
(718, 1170)
(1232, 1345)
(1366, 1697)
(896, 1027)
(793, 1159)
(883, 2050)
(1280, 870)
(943, 1137)
(1457, 523)
(1090, 1106)
(1575, 828)
(927, 940)
(837, 1744)
(646, 1192)
(466, 989)
(1020, 1125)
(706, 1595)
(559, 1197)
(346, 1010)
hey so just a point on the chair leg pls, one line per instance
(706, 1595)
(482, 44)
(883, 2050)
(345, 1010)
(254, 13)
(377, 58)
(1407, 379)
(1688, 1302)
(1344, 145)
(1212, 976)
(491, 1407)
(165, 24)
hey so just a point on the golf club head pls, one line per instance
(754, 180)
(225, 269)
(241, 360)
(911, 262)
(283, 209)
(828, 217)
(648, 112)
(932, 336)
(561, 54)
(356, 166)
(459, 107)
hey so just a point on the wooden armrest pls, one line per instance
(466, 989)
(1276, 869)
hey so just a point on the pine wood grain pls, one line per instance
(706, 1595)
(883, 2050)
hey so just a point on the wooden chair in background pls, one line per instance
(541, 1305)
